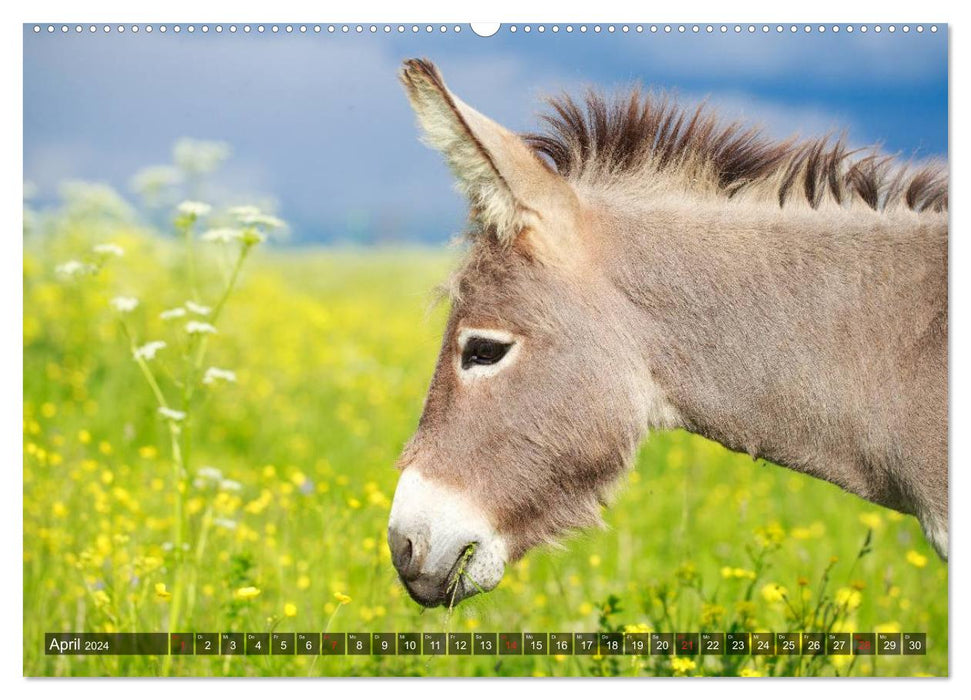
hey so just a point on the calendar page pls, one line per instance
(463, 350)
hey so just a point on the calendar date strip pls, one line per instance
(487, 643)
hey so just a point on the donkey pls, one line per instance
(640, 266)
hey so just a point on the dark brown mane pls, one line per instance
(599, 140)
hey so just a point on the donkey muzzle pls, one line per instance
(441, 543)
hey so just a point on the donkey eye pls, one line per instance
(483, 351)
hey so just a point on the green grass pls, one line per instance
(333, 351)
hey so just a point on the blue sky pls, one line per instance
(319, 123)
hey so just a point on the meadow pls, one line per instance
(258, 499)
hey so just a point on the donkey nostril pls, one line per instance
(401, 549)
(406, 553)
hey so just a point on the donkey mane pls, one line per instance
(600, 141)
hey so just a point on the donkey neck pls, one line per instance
(785, 334)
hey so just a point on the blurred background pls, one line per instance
(319, 124)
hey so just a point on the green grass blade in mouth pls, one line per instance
(453, 584)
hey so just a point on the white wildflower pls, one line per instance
(222, 235)
(198, 308)
(244, 212)
(252, 216)
(224, 523)
(230, 485)
(199, 327)
(151, 182)
(199, 157)
(190, 208)
(148, 350)
(169, 314)
(73, 268)
(124, 304)
(171, 414)
(211, 473)
(267, 221)
(109, 249)
(214, 374)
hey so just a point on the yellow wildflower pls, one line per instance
(290, 610)
(848, 598)
(681, 665)
(917, 559)
(746, 610)
(711, 614)
(736, 572)
(161, 592)
(247, 592)
(378, 499)
(342, 598)
(772, 534)
(872, 520)
(774, 593)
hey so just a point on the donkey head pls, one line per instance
(538, 399)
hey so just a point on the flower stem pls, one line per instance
(197, 561)
(178, 471)
(214, 317)
(177, 536)
(191, 261)
(143, 366)
(231, 285)
(326, 629)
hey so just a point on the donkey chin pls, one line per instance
(442, 544)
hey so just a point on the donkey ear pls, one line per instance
(509, 187)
